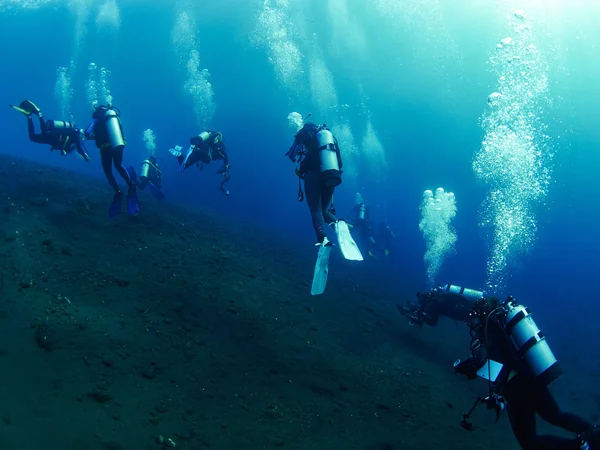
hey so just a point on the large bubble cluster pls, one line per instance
(515, 152)
(437, 212)
(295, 120)
(109, 17)
(63, 91)
(97, 89)
(274, 32)
(150, 141)
(196, 84)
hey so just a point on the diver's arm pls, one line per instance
(82, 151)
(473, 363)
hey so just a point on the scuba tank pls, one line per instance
(530, 343)
(113, 129)
(329, 158)
(59, 125)
(204, 136)
(146, 165)
(362, 212)
(469, 294)
(109, 117)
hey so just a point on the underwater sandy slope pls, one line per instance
(172, 324)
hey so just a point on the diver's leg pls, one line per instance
(313, 200)
(107, 157)
(549, 410)
(326, 197)
(118, 161)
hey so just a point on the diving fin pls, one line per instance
(21, 110)
(347, 245)
(321, 268)
(132, 201)
(115, 206)
(27, 107)
(132, 174)
(156, 192)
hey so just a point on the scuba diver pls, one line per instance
(106, 129)
(60, 135)
(150, 177)
(509, 350)
(206, 147)
(451, 301)
(360, 220)
(320, 166)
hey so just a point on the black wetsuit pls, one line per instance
(206, 152)
(434, 304)
(318, 194)
(65, 140)
(110, 156)
(524, 394)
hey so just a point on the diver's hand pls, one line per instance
(466, 368)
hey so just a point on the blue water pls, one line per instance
(423, 79)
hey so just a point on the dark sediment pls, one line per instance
(173, 325)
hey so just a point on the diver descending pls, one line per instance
(107, 131)
(509, 350)
(317, 151)
(206, 147)
(150, 177)
(360, 220)
(60, 135)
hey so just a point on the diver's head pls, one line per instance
(99, 112)
(152, 159)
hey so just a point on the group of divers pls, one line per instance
(507, 347)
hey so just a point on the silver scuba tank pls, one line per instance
(204, 136)
(113, 129)
(59, 125)
(328, 158)
(144, 170)
(469, 294)
(530, 344)
(362, 211)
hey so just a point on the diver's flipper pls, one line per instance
(132, 174)
(29, 106)
(156, 192)
(132, 201)
(115, 206)
(347, 245)
(21, 110)
(321, 269)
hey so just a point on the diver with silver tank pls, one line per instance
(320, 167)
(509, 350)
(449, 300)
(150, 177)
(208, 146)
(106, 129)
(59, 134)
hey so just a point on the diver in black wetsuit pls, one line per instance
(106, 129)
(208, 146)
(507, 334)
(150, 177)
(360, 221)
(318, 152)
(60, 135)
(451, 301)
